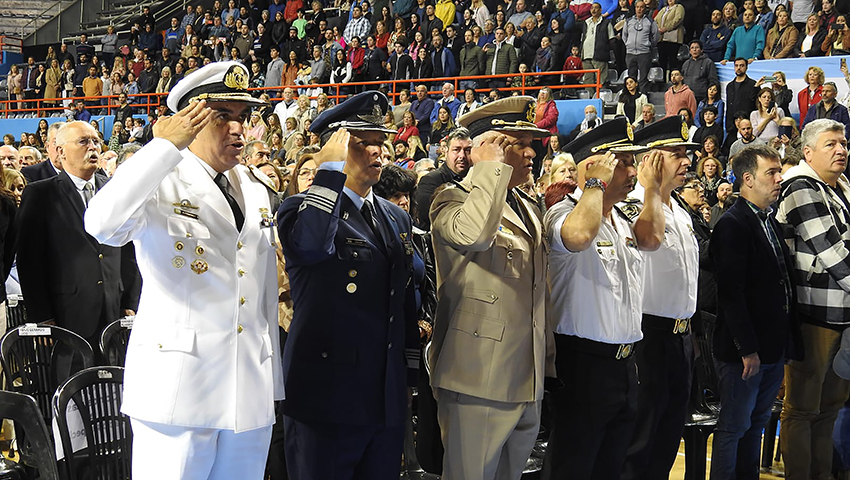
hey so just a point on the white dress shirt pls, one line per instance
(80, 184)
(672, 271)
(596, 294)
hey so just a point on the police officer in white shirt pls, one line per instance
(596, 269)
(664, 356)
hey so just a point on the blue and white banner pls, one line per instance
(795, 72)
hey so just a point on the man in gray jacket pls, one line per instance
(640, 34)
(274, 70)
(699, 71)
(318, 66)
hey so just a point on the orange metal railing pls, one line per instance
(529, 83)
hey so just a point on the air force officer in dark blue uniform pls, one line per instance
(352, 349)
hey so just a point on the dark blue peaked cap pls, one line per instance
(364, 112)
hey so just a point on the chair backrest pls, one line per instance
(16, 313)
(114, 340)
(656, 74)
(707, 379)
(620, 80)
(613, 75)
(23, 410)
(36, 359)
(97, 393)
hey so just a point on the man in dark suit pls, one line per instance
(757, 326)
(50, 167)
(352, 348)
(29, 78)
(66, 275)
(453, 169)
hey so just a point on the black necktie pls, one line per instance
(513, 202)
(221, 181)
(368, 212)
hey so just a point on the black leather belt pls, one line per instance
(675, 326)
(619, 351)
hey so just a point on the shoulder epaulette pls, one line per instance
(629, 208)
(262, 178)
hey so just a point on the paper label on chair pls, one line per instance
(33, 330)
(127, 322)
(104, 374)
(13, 299)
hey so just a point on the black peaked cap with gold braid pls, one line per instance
(512, 114)
(614, 135)
(668, 132)
(216, 82)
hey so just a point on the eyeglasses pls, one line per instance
(84, 141)
(307, 172)
(694, 186)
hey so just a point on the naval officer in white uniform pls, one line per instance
(203, 369)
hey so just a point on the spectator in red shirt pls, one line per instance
(811, 94)
(408, 127)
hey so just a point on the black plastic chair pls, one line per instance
(97, 393)
(23, 410)
(36, 364)
(706, 405)
(16, 312)
(113, 342)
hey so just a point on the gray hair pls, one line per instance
(35, 152)
(813, 130)
(126, 153)
(252, 147)
(52, 130)
(459, 133)
(422, 165)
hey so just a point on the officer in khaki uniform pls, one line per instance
(491, 349)
(203, 368)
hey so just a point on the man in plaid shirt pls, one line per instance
(815, 214)
(358, 26)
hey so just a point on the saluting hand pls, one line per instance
(336, 149)
(182, 127)
(651, 171)
(492, 148)
(601, 166)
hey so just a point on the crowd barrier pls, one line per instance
(530, 84)
(571, 112)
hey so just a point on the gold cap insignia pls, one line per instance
(685, 131)
(630, 132)
(235, 78)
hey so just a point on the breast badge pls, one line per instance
(199, 266)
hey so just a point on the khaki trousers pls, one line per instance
(591, 77)
(485, 439)
(813, 395)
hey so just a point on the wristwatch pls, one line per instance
(595, 183)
